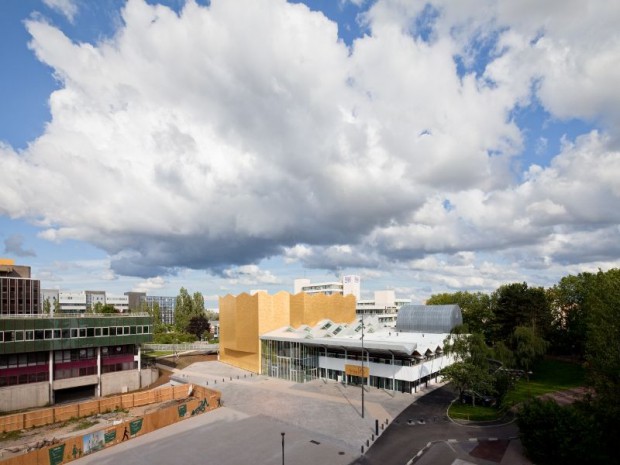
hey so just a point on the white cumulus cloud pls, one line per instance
(231, 133)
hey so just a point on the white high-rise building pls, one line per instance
(384, 305)
(349, 285)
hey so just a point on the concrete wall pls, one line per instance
(75, 382)
(24, 396)
(148, 376)
(119, 382)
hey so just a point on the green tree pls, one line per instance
(186, 307)
(47, 306)
(183, 310)
(552, 434)
(470, 372)
(519, 305)
(569, 317)
(528, 347)
(198, 307)
(476, 309)
(107, 308)
(198, 325)
(603, 351)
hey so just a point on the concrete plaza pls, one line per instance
(321, 420)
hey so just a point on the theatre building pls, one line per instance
(331, 342)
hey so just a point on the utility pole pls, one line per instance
(362, 364)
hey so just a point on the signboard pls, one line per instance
(56, 454)
(110, 436)
(356, 370)
(182, 410)
(135, 426)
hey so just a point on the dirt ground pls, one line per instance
(12, 444)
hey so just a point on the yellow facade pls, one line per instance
(244, 318)
(7, 261)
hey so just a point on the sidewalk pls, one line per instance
(325, 408)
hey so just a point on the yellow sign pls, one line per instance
(356, 370)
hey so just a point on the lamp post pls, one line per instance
(282, 448)
(362, 364)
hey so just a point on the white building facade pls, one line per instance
(399, 359)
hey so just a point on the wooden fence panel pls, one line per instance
(142, 398)
(88, 408)
(109, 404)
(38, 418)
(127, 401)
(66, 412)
(12, 422)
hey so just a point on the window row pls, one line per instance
(23, 360)
(66, 373)
(68, 333)
(24, 379)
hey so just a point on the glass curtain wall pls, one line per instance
(293, 361)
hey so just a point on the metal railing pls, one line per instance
(72, 315)
(204, 346)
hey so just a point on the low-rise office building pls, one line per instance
(364, 350)
(45, 359)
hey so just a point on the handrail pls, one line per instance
(72, 315)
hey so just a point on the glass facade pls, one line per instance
(293, 361)
(299, 362)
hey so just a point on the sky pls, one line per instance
(232, 145)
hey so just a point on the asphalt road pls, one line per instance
(422, 422)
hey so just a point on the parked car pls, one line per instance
(482, 400)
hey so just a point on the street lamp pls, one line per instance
(282, 448)
(362, 364)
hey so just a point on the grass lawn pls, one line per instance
(460, 411)
(158, 353)
(548, 376)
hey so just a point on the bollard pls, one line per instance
(231, 378)
(382, 426)
(367, 442)
(362, 450)
(377, 427)
(372, 437)
(386, 421)
(222, 380)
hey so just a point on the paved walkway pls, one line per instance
(326, 410)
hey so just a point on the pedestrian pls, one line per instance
(125, 434)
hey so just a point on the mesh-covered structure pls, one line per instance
(428, 318)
